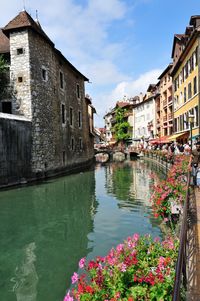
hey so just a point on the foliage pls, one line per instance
(121, 182)
(173, 189)
(139, 269)
(121, 126)
(3, 76)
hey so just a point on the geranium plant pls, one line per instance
(171, 189)
(138, 269)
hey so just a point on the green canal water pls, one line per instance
(47, 228)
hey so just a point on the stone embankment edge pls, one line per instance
(50, 174)
(165, 165)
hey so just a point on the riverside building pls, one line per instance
(185, 76)
(46, 123)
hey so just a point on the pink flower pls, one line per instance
(123, 267)
(68, 297)
(136, 236)
(74, 278)
(156, 239)
(120, 247)
(82, 263)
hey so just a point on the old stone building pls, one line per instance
(49, 92)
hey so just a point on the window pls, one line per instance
(61, 80)
(20, 79)
(185, 94)
(63, 113)
(72, 143)
(196, 56)
(44, 74)
(7, 107)
(80, 143)
(189, 90)
(197, 115)
(175, 85)
(183, 74)
(78, 91)
(79, 119)
(195, 84)
(189, 66)
(186, 70)
(175, 124)
(192, 63)
(71, 116)
(20, 51)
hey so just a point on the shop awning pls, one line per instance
(164, 139)
(175, 136)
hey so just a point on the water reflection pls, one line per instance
(26, 279)
(129, 181)
(122, 191)
(44, 233)
(47, 228)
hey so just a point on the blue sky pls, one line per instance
(120, 45)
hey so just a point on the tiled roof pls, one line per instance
(24, 20)
(122, 104)
(179, 36)
(4, 43)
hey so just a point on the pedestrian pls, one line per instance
(195, 161)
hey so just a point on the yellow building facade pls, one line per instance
(185, 77)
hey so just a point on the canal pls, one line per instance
(47, 228)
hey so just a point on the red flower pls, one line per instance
(89, 289)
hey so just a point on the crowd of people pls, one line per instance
(177, 148)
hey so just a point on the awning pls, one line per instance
(164, 139)
(175, 136)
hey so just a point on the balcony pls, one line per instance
(170, 117)
(164, 103)
(169, 99)
(165, 118)
(158, 108)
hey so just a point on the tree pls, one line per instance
(3, 76)
(121, 126)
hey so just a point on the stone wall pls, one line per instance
(20, 73)
(15, 150)
(56, 142)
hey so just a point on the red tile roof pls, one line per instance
(4, 43)
(24, 20)
(122, 104)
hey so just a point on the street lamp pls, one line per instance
(191, 122)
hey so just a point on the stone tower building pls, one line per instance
(50, 92)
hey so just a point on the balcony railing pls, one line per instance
(165, 103)
(169, 99)
(170, 116)
(165, 118)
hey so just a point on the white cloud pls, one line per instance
(129, 88)
(81, 32)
